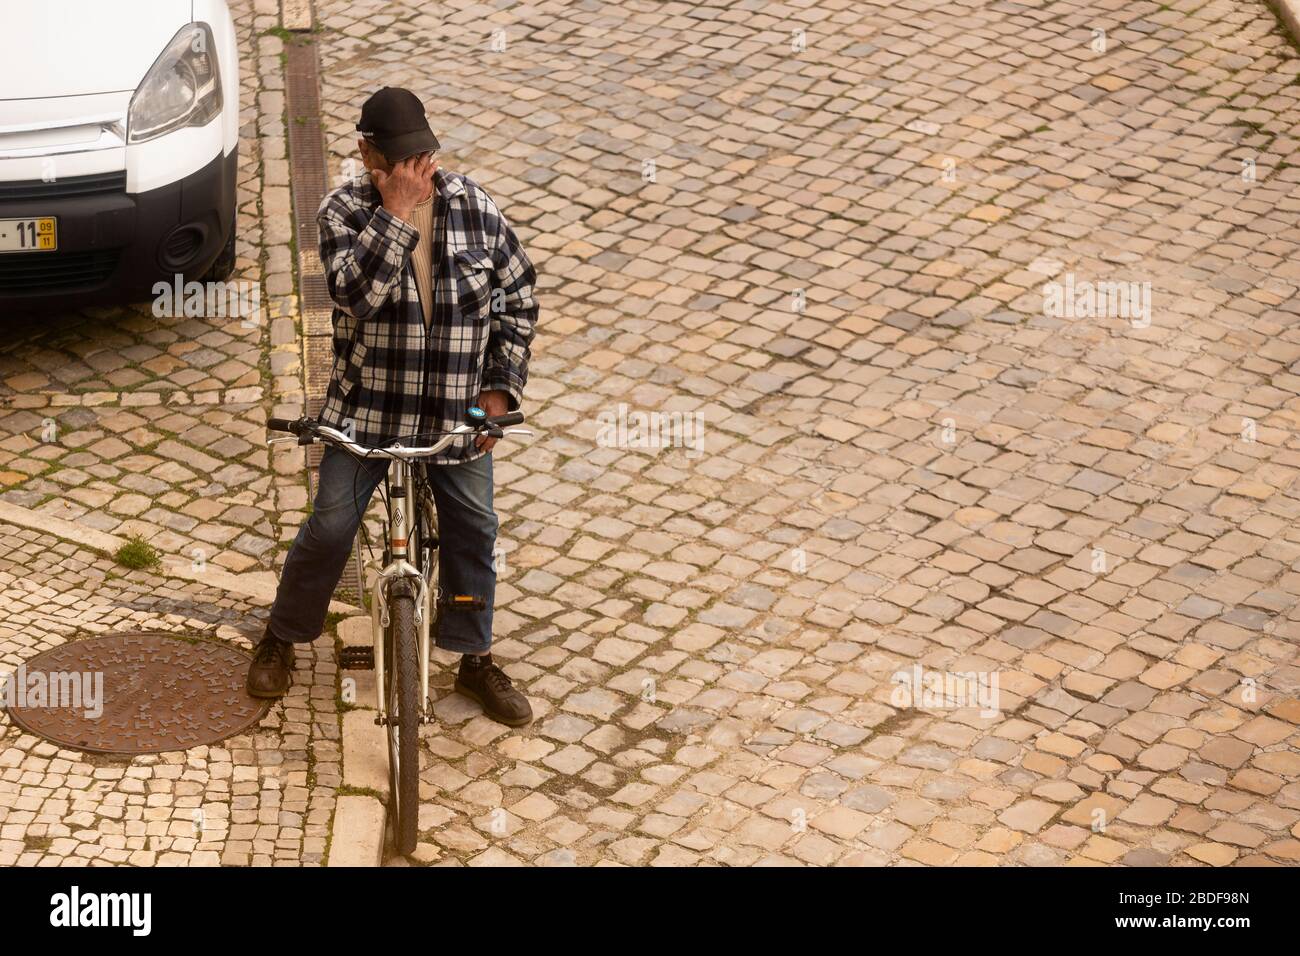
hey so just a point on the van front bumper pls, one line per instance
(113, 246)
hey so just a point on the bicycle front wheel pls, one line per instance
(402, 676)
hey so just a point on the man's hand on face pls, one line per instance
(494, 403)
(406, 184)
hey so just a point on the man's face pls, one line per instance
(372, 158)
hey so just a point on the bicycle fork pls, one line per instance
(401, 575)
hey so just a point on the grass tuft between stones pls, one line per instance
(138, 554)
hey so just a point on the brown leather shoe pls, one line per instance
(480, 679)
(271, 672)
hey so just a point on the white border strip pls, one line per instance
(256, 586)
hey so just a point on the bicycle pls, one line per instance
(406, 597)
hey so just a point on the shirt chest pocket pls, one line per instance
(473, 275)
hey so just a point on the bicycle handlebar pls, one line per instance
(309, 431)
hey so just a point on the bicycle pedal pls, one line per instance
(463, 602)
(357, 659)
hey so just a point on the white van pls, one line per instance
(119, 127)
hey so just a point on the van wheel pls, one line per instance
(224, 265)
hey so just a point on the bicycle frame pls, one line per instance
(401, 569)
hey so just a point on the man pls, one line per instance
(434, 312)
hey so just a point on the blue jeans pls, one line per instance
(467, 531)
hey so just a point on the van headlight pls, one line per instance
(182, 88)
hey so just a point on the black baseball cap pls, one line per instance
(393, 120)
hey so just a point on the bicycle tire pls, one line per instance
(402, 675)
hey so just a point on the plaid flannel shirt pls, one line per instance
(392, 380)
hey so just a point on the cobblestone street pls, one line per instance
(828, 234)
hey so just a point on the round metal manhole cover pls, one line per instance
(133, 693)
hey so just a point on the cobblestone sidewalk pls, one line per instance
(263, 798)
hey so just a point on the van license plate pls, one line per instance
(29, 235)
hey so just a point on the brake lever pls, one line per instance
(518, 431)
(283, 439)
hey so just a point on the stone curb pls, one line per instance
(359, 826)
(1288, 12)
(296, 15)
(258, 586)
(358, 832)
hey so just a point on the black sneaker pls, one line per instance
(271, 672)
(481, 680)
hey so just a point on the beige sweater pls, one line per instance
(422, 257)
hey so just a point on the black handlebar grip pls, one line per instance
(509, 418)
(282, 425)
